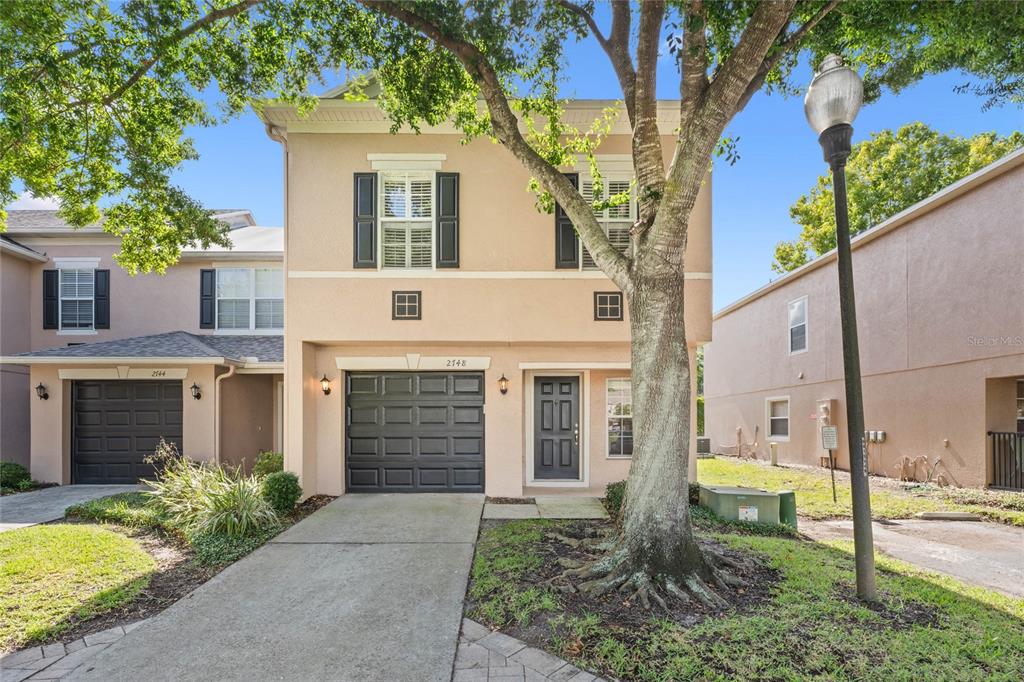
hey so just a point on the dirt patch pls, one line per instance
(176, 575)
(511, 500)
(630, 620)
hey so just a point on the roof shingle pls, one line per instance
(178, 344)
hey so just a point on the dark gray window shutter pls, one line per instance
(567, 245)
(101, 299)
(207, 299)
(447, 220)
(51, 299)
(364, 231)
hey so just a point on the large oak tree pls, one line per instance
(95, 99)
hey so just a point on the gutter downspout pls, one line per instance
(216, 411)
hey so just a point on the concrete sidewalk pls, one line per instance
(368, 588)
(983, 554)
(48, 504)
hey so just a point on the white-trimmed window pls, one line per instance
(406, 220)
(615, 220)
(250, 299)
(777, 418)
(620, 417)
(798, 325)
(77, 298)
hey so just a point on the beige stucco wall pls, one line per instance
(50, 421)
(15, 390)
(247, 418)
(939, 313)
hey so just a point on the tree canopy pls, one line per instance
(95, 96)
(891, 171)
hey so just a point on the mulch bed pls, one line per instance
(176, 575)
(614, 607)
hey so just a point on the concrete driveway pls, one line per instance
(368, 588)
(984, 554)
(48, 504)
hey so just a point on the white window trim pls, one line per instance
(432, 220)
(807, 326)
(75, 264)
(406, 162)
(768, 417)
(607, 433)
(584, 480)
(251, 330)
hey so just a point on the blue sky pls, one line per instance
(780, 160)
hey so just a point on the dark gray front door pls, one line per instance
(117, 424)
(414, 432)
(556, 425)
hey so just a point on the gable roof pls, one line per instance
(181, 346)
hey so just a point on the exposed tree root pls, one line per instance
(610, 571)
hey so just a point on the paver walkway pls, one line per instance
(485, 655)
(368, 588)
(984, 554)
(58, 661)
(48, 504)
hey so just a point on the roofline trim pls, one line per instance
(923, 207)
(97, 360)
(22, 251)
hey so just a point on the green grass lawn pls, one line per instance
(931, 628)
(814, 493)
(54, 575)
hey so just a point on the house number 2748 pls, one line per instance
(456, 362)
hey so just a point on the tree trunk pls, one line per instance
(657, 534)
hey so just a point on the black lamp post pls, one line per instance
(831, 105)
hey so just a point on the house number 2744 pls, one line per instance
(159, 373)
(456, 362)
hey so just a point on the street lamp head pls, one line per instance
(834, 97)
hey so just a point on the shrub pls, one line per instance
(235, 508)
(13, 474)
(268, 462)
(216, 548)
(282, 490)
(694, 493)
(182, 488)
(614, 498)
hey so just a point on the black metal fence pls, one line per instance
(1007, 460)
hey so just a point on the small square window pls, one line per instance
(607, 305)
(405, 305)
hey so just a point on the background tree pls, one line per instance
(94, 102)
(884, 175)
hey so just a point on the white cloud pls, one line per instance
(27, 202)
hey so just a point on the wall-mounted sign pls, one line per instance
(829, 437)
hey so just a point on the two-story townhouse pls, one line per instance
(441, 333)
(98, 365)
(941, 324)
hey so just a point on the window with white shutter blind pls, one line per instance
(76, 298)
(407, 220)
(616, 220)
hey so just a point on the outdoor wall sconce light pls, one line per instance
(41, 392)
(325, 385)
(196, 393)
(503, 385)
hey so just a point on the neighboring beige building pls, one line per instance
(466, 341)
(116, 356)
(940, 307)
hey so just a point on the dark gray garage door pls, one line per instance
(414, 432)
(119, 423)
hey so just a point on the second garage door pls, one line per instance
(414, 432)
(117, 424)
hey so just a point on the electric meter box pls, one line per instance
(741, 504)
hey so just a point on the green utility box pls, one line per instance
(741, 504)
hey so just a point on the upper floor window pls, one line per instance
(620, 417)
(798, 325)
(77, 291)
(407, 219)
(615, 220)
(250, 298)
